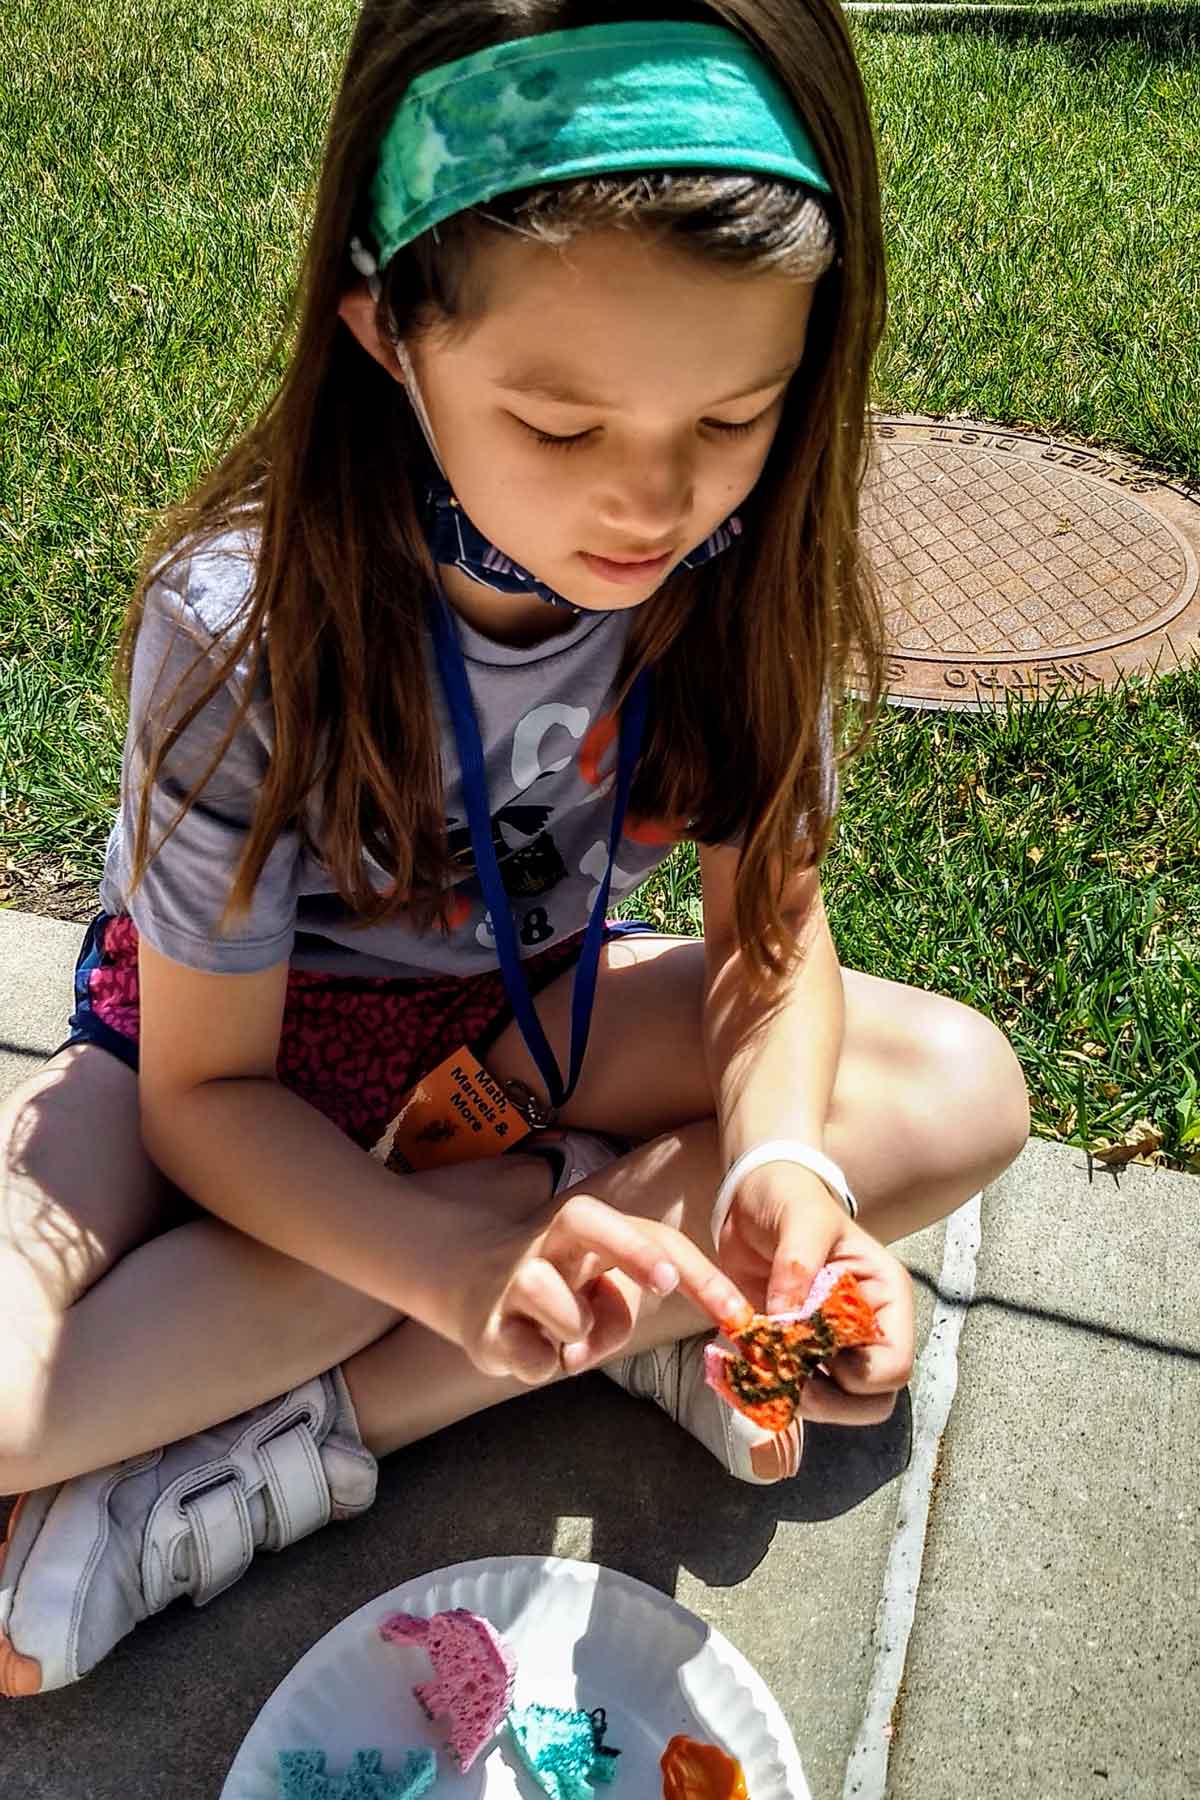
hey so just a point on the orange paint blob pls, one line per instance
(693, 1771)
(457, 912)
(653, 831)
(596, 742)
(594, 749)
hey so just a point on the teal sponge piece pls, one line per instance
(302, 1776)
(563, 1751)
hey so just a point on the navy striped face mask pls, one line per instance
(454, 540)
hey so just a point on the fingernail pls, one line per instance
(664, 1278)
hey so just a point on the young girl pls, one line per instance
(542, 558)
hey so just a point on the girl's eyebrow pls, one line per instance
(542, 382)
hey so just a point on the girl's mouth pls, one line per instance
(627, 572)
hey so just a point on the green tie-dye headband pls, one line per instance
(647, 95)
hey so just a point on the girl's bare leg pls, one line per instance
(201, 1323)
(928, 1106)
(112, 1340)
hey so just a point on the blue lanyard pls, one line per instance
(453, 671)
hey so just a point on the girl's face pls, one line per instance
(613, 404)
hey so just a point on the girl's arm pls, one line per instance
(772, 1061)
(773, 1067)
(218, 1123)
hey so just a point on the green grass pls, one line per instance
(1039, 864)
(1041, 195)
(1040, 189)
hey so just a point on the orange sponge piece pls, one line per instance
(763, 1375)
(693, 1771)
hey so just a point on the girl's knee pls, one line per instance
(973, 1082)
(77, 1190)
(35, 1258)
(31, 1455)
(42, 1248)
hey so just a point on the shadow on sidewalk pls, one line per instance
(164, 1714)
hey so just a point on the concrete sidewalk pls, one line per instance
(1013, 1612)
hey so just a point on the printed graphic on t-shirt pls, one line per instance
(533, 928)
(530, 866)
(530, 862)
(599, 740)
(549, 799)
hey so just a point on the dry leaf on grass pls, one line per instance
(1142, 1139)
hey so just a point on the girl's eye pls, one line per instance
(742, 430)
(572, 441)
(555, 443)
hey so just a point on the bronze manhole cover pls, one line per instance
(1009, 561)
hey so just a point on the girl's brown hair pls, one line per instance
(744, 649)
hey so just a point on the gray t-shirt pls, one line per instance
(549, 746)
(544, 716)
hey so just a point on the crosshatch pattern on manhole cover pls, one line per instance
(1013, 561)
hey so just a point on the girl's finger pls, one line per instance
(883, 1367)
(587, 1236)
(524, 1351)
(809, 1237)
(871, 1369)
(656, 1256)
(825, 1403)
(539, 1293)
(887, 1287)
(613, 1322)
(589, 1267)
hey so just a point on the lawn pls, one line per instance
(1041, 192)
(1042, 189)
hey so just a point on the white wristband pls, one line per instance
(779, 1150)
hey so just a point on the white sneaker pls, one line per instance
(87, 1560)
(673, 1377)
(673, 1374)
(574, 1154)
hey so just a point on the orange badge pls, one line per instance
(457, 1113)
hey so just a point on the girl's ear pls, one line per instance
(357, 309)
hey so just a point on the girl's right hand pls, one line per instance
(564, 1298)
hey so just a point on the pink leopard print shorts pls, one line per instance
(351, 1045)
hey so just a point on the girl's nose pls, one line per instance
(646, 500)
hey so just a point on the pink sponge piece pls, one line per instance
(823, 1284)
(474, 1669)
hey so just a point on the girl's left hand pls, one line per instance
(784, 1226)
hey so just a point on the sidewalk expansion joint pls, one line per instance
(937, 1380)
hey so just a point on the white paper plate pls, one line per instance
(584, 1636)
